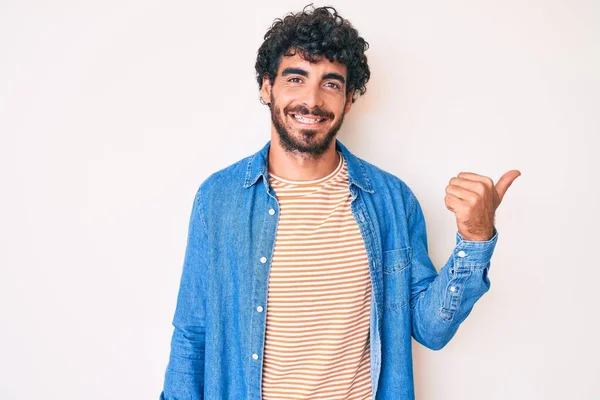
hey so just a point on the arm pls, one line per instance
(440, 302)
(184, 378)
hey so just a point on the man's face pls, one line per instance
(308, 102)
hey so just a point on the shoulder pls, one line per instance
(228, 178)
(222, 188)
(382, 180)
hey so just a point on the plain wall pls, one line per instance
(113, 112)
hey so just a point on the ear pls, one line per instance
(265, 89)
(348, 104)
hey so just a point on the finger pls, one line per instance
(505, 181)
(453, 203)
(462, 193)
(456, 205)
(474, 186)
(476, 177)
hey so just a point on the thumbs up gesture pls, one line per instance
(474, 199)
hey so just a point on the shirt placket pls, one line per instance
(361, 216)
(262, 269)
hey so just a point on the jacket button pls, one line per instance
(271, 212)
(461, 254)
(255, 356)
(263, 260)
(259, 309)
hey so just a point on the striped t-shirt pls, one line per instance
(319, 297)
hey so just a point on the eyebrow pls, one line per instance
(333, 75)
(294, 71)
(299, 71)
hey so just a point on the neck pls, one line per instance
(295, 166)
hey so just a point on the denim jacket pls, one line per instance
(218, 340)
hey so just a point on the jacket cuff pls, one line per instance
(474, 253)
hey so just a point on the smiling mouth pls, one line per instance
(307, 120)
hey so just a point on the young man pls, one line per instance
(306, 271)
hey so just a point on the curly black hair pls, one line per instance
(314, 33)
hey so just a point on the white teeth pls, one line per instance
(307, 120)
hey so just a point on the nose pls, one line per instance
(312, 96)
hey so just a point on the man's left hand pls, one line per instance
(474, 199)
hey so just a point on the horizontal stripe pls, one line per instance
(319, 297)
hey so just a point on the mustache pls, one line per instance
(317, 111)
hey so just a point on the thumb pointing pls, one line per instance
(505, 181)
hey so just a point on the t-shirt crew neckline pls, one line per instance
(315, 181)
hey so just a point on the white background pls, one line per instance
(113, 112)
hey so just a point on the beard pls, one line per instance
(308, 144)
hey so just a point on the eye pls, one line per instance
(295, 80)
(333, 85)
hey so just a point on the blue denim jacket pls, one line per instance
(218, 340)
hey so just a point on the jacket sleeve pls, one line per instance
(184, 377)
(441, 301)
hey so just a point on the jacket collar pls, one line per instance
(258, 167)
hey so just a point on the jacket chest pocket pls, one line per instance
(396, 278)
